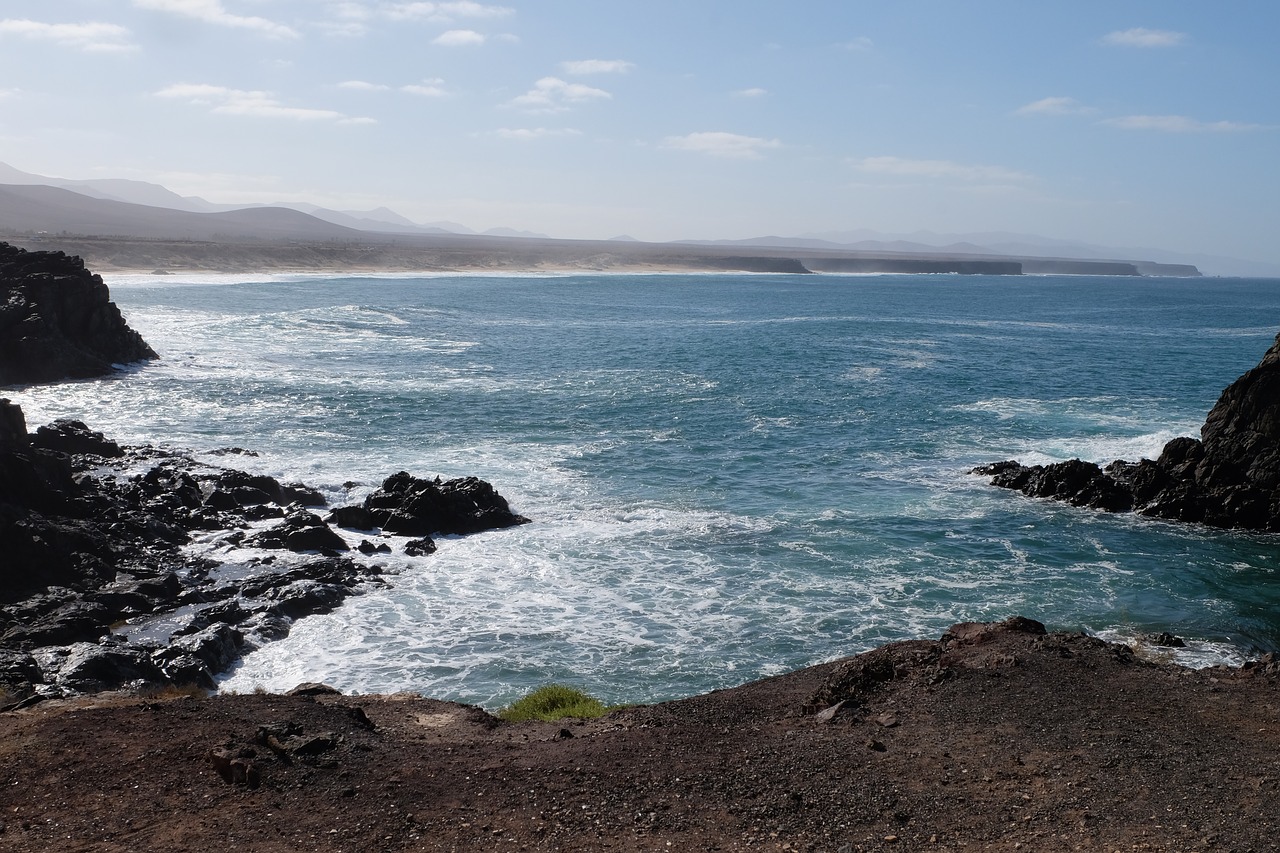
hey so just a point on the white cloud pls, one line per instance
(1055, 107)
(255, 104)
(552, 95)
(581, 67)
(1177, 124)
(449, 11)
(362, 86)
(93, 37)
(860, 43)
(432, 88)
(213, 12)
(938, 169)
(459, 38)
(718, 144)
(754, 92)
(526, 134)
(1143, 37)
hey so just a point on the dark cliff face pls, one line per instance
(1241, 436)
(1229, 477)
(57, 321)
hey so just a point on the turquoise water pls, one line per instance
(730, 476)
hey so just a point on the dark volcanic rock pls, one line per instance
(300, 531)
(1229, 477)
(68, 436)
(87, 547)
(57, 320)
(410, 506)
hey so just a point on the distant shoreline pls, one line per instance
(501, 255)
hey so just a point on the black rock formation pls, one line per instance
(92, 536)
(57, 321)
(1229, 477)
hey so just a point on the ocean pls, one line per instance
(729, 476)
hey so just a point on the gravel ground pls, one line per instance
(996, 737)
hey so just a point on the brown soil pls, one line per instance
(992, 739)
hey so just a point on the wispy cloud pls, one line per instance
(582, 67)
(1177, 124)
(459, 38)
(528, 134)
(213, 12)
(363, 86)
(937, 169)
(431, 88)
(859, 43)
(449, 11)
(239, 102)
(553, 95)
(1143, 37)
(1055, 107)
(754, 92)
(93, 37)
(731, 146)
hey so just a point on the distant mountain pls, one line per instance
(381, 220)
(34, 208)
(111, 189)
(511, 232)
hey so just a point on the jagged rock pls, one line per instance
(57, 320)
(420, 547)
(410, 506)
(89, 668)
(301, 531)
(314, 688)
(77, 622)
(70, 436)
(82, 549)
(353, 517)
(13, 426)
(196, 658)
(1229, 477)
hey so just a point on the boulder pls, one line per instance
(70, 436)
(410, 506)
(89, 668)
(300, 531)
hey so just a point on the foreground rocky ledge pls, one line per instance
(995, 737)
(1229, 477)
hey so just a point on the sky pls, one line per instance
(1132, 123)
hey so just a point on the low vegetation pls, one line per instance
(554, 702)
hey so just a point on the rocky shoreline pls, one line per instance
(94, 535)
(1229, 477)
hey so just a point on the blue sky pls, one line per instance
(1134, 124)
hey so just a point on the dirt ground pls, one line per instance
(992, 739)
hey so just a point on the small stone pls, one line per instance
(875, 745)
(888, 719)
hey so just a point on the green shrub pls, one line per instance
(553, 702)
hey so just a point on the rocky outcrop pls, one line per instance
(1229, 477)
(57, 320)
(411, 506)
(92, 536)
